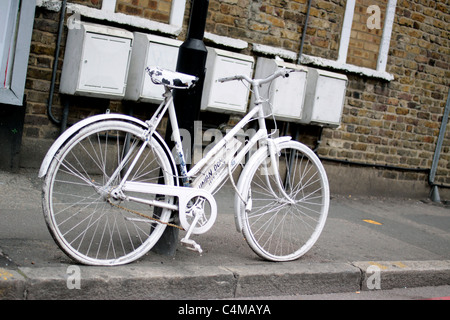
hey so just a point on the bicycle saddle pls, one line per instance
(171, 79)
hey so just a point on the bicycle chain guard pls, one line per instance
(191, 203)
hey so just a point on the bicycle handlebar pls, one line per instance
(238, 77)
(279, 73)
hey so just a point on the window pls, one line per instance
(108, 13)
(16, 26)
(362, 20)
(366, 34)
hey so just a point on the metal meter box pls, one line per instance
(228, 97)
(149, 50)
(96, 61)
(325, 95)
(286, 95)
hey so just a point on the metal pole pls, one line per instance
(434, 189)
(191, 60)
(304, 33)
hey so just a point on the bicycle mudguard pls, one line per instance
(88, 121)
(239, 204)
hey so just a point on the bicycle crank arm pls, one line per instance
(189, 243)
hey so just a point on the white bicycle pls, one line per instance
(112, 186)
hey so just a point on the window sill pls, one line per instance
(226, 41)
(321, 62)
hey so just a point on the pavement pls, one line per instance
(368, 243)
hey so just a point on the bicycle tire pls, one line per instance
(77, 210)
(274, 228)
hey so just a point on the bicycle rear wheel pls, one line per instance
(274, 227)
(86, 223)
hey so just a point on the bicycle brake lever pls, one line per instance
(288, 72)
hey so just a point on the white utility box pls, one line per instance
(228, 97)
(286, 95)
(96, 61)
(325, 96)
(150, 50)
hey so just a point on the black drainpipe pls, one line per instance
(63, 121)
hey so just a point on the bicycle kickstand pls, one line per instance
(189, 243)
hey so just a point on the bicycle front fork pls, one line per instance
(274, 155)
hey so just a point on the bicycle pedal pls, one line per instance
(191, 245)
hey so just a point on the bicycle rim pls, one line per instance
(276, 228)
(77, 206)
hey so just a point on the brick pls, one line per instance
(418, 17)
(277, 22)
(359, 146)
(401, 111)
(158, 16)
(37, 84)
(224, 19)
(323, 43)
(379, 107)
(128, 9)
(259, 27)
(374, 139)
(41, 49)
(164, 6)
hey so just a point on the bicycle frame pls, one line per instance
(112, 184)
(189, 191)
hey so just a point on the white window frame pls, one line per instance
(16, 50)
(107, 12)
(341, 64)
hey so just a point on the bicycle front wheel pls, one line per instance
(278, 228)
(86, 223)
